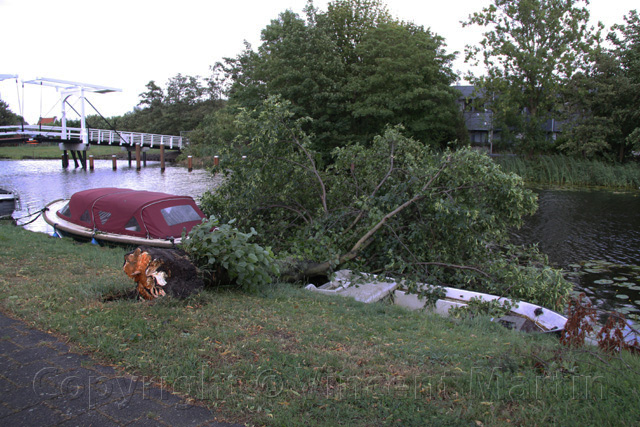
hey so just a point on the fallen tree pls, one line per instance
(394, 207)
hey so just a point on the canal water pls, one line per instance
(595, 235)
(38, 182)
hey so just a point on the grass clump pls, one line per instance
(571, 171)
(285, 356)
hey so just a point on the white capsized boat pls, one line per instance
(368, 288)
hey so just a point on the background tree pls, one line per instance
(8, 117)
(353, 70)
(605, 99)
(153, 97)
(530, 50)
(181, 106)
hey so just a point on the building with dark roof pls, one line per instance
(479, 119)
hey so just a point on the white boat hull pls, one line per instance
(7, 203)
(526, 316)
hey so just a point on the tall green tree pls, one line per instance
(605, 99)
(403, 77)
(153, 97)
(353, 70)
(530, 50)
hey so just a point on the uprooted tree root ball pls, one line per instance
(160, 272)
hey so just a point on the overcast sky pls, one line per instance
(127, 43)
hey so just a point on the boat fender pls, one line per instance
(55, 233)
(94, 241)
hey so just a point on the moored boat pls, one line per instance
(124, 216)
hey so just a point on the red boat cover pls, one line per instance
(132, 212)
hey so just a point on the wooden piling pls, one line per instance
(161, 157)
(216, 161)
(75, 158)
(65, 159)
(91, 162)
(190, 163)
(114, 162)
(138, 166)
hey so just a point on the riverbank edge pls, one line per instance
(560, 171)
(285, 356)
(101, 152)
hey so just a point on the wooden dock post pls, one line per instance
(65, 159)
(114, 162)
(138, 167)
(190, 163)
(91, 162)
(216, 161)
(75, 159)
(162, 157)
(129, 155)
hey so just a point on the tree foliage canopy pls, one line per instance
(605, 99)
(353, 70)
(530, 50)
(8, 117)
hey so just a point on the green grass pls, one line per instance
(52, 151)
(288, 357)
(571, 171)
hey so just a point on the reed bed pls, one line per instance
(570, 171)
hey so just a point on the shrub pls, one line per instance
(225, 254)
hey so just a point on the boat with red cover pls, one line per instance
(125, 216)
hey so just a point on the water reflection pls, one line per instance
(39, 182)
(574, 226)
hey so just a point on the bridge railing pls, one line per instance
(96, 136)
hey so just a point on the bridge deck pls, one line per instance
(94, 136)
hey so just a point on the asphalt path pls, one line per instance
(44, 383)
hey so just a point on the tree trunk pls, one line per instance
(159, 272)
(621, 153)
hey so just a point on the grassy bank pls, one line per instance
(570, 171)
(52, 151)
(289, 357)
